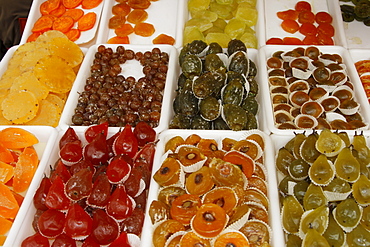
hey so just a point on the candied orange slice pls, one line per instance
(18, 197)
(6, 172)
(5, 155)
(67, 50)
(5, 225)
(43, 24)
(76, 14)
(55, 73)
(209, 221)
(8, 205)
(27, 81)
(56, 100)
(20, 107)
(232, 238)
(90, 4)
(242, 160)
(17, 138)
(63, 23)
(73, 34)
(25, 169)
(48, 114)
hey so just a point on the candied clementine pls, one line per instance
(76, 14)
(164, 39)
(71, 4)
(124, 31)
(8, 205)
(121, 9)
(306, 17)
(63, 24)
(290, 26)
(289, 14)
(116, 21)
(90, 4)
(144, 29)
(137, 15)
(326, 29)
(17, 138)
(302, 6)
(25, 169)
(87, 21)
(119, 40)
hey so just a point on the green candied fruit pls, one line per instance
(247, 13)
(213, 29)
(250, 40)
(220, 23)
(198, 5)
(223, 11)
(251, 2)
(192, 33)
(235, 28)
(202, 24)
(225, 1)
(220, 38)
(205, 14)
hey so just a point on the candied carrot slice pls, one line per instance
(5, 155)
(90, 4)
(164, 39)
(44, 8)
(87, 21)
(6, 172)
(137, 15)
(43, 24)
(76, 14)
(121, 9)
(5, 225)
(144, 29)
(25, 169)
(71, 4)
(73, 34)
(125, 30)
(48, 6)
(8, 205)
(63, 24)
(119, 40)
(17, 138)
(59, 11)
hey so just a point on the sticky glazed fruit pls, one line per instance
(224, 197)
(199, 182)
(164, 230)
(232, 238)
(184, 207)
(169, 173)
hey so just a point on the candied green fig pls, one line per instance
(308, 150)
(235, 45)
(358, 237)
(299, 190)
(197, 46)
(284, 185)
(314, 239)
(253, 87)
(213, 62)
(187, 103)
(239, 62)
(200, 123)
(329, 143)
(235, 116)
(191, 66)
(214, 48)
(334, 233)
(365, 218)
(293, 241)
(291, 214)
(361, 190)
(347, 214)
(220, 124)
(283, 160)
(181, 81)
(346, 166)
(210, 108)
(180, 122)
(252, 69)
(321, 171)
(183, 53)
(314, 197)
(250, 104)
(206, 85)
(298, 169)
(317, 219)
(360, 145)
(233, 92)
(225, 173)
(252, 121)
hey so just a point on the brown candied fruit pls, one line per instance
(121, 9)
(258, 212)
(173, 143)
(225, 173)
(207, 146)
(228, 143)
(209, 221)
(138, 4)
(250, 148)
(235, 239)
(168, 194)
(189, 155)
(190, 239)
(184, 207)
(257, 232)
(257, 138)
(192, 139)
(164, 230)
(144, 29)
(225, 197)
(158, 211)
(239, 213)
(254, 195)
(137, 15)
(259, 183)
(199, 182)
(124, 31)
(242, 160)
(168, 173)
(164, 39)
(116, 21)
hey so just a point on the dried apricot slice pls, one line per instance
(25, 169)
(63, 24)
(189, 155)
(137, 15)
(138, 4)
(121, 9)
(17, 138)
(116, 21)
(48, 114)
(59, 11)
(20, 107)
(8, 205)
(73, 34)
(87, 21)
(124, 31)
(90, 4)
(144, 29)
(199, 182)
(5, 155)
(168, 173)
(67, 50)
(164, 39)
(119, 40)
(76, 14)
(209, 221)
(27, 81)
(6, 172)
(71, 4)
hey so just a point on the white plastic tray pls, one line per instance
(360, 95)
(87, 37)
(130, 68)
(273, 28)
(274, 215)
(165, 15)
(46, 136)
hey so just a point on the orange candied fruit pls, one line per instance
(116, 21)
(138, 4)
(290, 26)
(119, 40)
(184, 207)
(164, 39)
(289, 14)
(125, 30)
(121, 9)
(209, 221)
(144, 29)
(137, 15)
(17, 138)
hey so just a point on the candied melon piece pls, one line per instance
(6, 172)
(25, 169)
(235, 28)
(8, 205)
(221, 38)
(220, 23)
(5, 155)
(250, 2)
(48, 114)
(5, 225)
(201, 24)
(223, 11)
(67, 50)
(205, 14)
(56, 100)
(55, 73)
(247, 13)
(198, 5)
(192, 33)
(17, 138)
(32, 58)
(20, 107)
(27, 81)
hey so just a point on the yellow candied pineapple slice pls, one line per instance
(31, 58)
(27, 81)
(55, 73)
(67, 50)
(20, 107)
(8, 77)
(48, 114)
(49, 35)
(56, 100)
(63, 96)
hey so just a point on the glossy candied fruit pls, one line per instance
(224, 197)
(199, 182)
(188, 155)
(168, 173)
(164, 230)
(184, 207)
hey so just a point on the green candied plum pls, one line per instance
(191, 66)
(233, 92)
(235, 116)
(180, 122)
(210, 108)
(239, 62)
(220, 124)
(214, 48)
(200, 123)
(253, 87)
(250, 104)
(187, 103)
(213, 62)
(252, 121)
(235, 45)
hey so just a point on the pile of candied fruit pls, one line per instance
(363, 70)
(211, 193)
(97, 190)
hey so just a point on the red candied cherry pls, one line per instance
(78, 223)
(92, 131)
(105, 229)
(51, 223)
(35, 240)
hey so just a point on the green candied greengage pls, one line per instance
(191, 66)
(235, 45)
(220, 124)
(233, 92)
(252, 121)
(213, 62)
(200, 123)
(180, 122)
(235, 116)
(250, 104)
(210, 108)
(209, 83)
(186, 103)
(214, 48)
(239, 62)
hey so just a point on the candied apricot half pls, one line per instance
(173, 143)
(225, 197)
(242, 160)
(189, 155)
(17, 138)
(144, 29)
(137, 15)
(8, 205)
(199, 182)
(232, 238)
(249, 147)
(192, 139)
(164, 39)
(25, 169)
(184, 207)
(190, 239)
(168, 173)
(209, 221)
(164, 230)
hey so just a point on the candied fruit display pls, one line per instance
(96, 192)
(363, 69)
(216, 89)
(221, 21)
(318, 91)
(329, 204)
(37, 80)
(210, 199)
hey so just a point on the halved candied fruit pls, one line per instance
(121, 9)
(164, 230)
(225, 173)
(137, 15)
(190, 239)
(173, 143)
(232, 238)
(184, 207)
(249, 147)
(144, 29)
(199, 182)
(207, 145)
(224, 197)
(228, 143)
(170, 193)
(168, 173)
(158, 211)
(192, 139)
(164, 39)
(190, 155)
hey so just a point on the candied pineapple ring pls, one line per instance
(20, 107)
